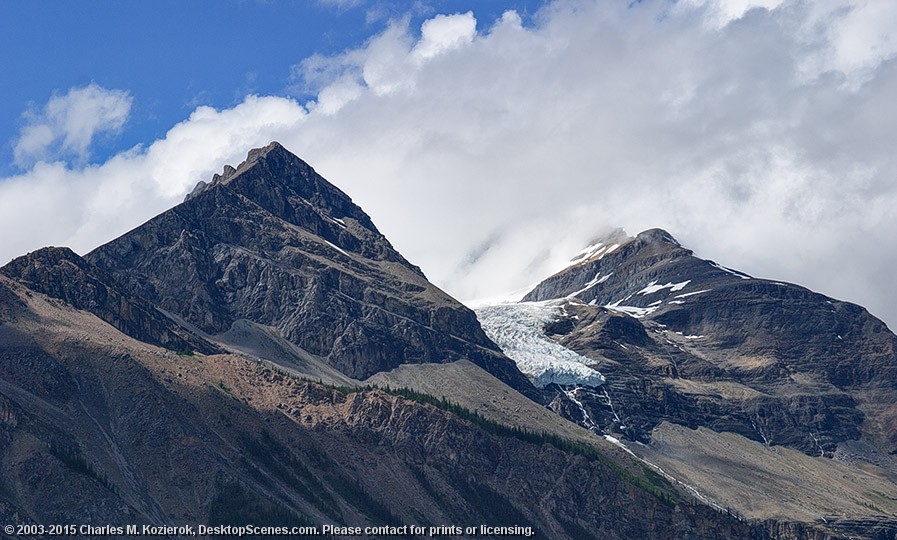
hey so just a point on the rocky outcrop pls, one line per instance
(62, 274)
(272, 242)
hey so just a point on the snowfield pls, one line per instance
(518, 329)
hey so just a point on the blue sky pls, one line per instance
(490, 141)
(172, 56)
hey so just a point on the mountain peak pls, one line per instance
(610, 242)
(600, 246)
(258, 153)
(282, 183)
(271, 243)
(255, 155)
(273, 150)
(603, 272)
(45, 255)
(657, 235)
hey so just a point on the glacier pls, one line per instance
(518, 328)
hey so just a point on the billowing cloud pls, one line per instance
(489, 155)
(443, 33)
(67, 124)
(746, 133)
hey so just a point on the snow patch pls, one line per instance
(333, 220)
(518, 328)
(597, 280)
(616, 441)
(334, 246)
(588, 253)
(593, 252)
(635, 311)
(686, 295)
(729, 270)
(653, 287)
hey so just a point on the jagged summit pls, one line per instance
(272, 176)
(229, 171)
(256, 153)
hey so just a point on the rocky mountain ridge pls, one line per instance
(273, 243)
(62, 274)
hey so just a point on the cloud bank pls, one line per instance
(761, 137)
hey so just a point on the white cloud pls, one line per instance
(492, 165)
(67, 124)
(443, 33)
(864, 36)
(851, 36)
(760, 138)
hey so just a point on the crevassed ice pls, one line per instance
(518, 328)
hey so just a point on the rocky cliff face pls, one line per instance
(274, 243)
